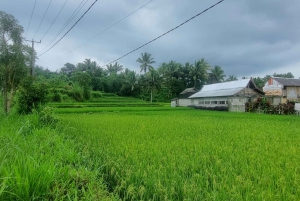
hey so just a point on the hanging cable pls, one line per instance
(30, 18)
(42, 19)
(66, 23)
(164, 33)
(107, 28)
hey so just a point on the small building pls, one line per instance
(233, 94)
(280, 90)
(183, 98)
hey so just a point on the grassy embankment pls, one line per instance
(43, 163)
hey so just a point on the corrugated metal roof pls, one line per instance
(288, 81)
(221, 89)
(217, 93)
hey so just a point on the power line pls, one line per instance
(54, 19)
(42, 19)
(107, 28)
(165, 32)
(70, 28)
(30, 18)
(66, 23)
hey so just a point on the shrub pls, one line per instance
(46, 116)
(31, 95)
(97, 94)
(76, 93)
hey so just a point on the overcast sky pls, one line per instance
(246, 38)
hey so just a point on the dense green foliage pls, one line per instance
(31, 95)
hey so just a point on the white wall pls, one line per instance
(184, 102)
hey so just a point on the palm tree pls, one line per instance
(216, 74)
(131, 79)
(114, 68)
(232, 78)
(199, 71)
(145, 62)
(154, 81)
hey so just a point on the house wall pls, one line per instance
(210, 101)
(248, 92)
(173, 103)
(292, 93)
(184, 102)
(273, 88)
(237, 104)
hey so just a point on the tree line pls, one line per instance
(151, 84)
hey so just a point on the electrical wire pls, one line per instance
(30, 18)
(67, 23)
(54, 19)
(42, 19)
(70, 28)
(165, 33)
(107, 28)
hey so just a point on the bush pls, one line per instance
(31, 95)
(76, 93)
(46, 116)
(97, 94)
(55, 95)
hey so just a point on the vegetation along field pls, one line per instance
(192, 155)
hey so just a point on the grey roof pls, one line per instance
(187, 90)
(291, 82)
(217, 93)
(222, 89)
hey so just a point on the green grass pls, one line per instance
(192, 155)
(149, 153)
(42, 163)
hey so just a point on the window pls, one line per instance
(214, 102)
(222, 102)
(207, 102)
(201, 102)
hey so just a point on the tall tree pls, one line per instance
(199, 72)
(154, 81)
(12, 59)
(68, 69)
(145, 62)
(216, 75)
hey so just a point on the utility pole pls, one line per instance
(32, 56)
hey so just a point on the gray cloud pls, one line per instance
(245, 38)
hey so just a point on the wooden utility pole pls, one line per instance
(32, 56)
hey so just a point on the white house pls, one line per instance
(233, 94)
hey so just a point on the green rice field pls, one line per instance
(192, 155)
(149, 153)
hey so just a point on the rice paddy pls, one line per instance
(150, 153)
(193, 155)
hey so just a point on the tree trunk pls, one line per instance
(5, 97)
(151, 96)
(9, 100)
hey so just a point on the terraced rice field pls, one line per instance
(154, 153)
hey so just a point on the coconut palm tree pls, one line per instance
(199, 71)
(114, 68)
(145, 62)
(131, 79)
(154, 81)
(216, 75)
